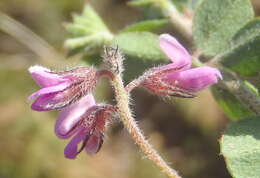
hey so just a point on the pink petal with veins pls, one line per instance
(46, 102)
(48, 90)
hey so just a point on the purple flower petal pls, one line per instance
(44, 77)
(48, 90)
(175, 51)
(195, 79)
(94, 143)
(46, 102)
(61, 99)
(71, 149)
(70, 116)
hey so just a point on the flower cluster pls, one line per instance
(84, 120)
(80, 116)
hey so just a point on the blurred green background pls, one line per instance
(185, 132)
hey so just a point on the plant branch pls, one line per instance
(134, 83)
(124, 111)
(113, 58)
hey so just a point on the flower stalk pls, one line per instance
(125, 115)
(134, 83)
(114, 58)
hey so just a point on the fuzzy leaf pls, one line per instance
(86, 24)
(142, 45)
(148, 25)
(134, 67)
(244, 57)
(250, 31)
(217, 21)
(88, 32)
(240, 145)
(230, 104)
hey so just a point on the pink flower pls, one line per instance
(60, 89)
(177, 78)
(86, 122)
(80, 116)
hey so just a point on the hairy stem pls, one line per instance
(124, 111)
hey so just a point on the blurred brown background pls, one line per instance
(185, 132)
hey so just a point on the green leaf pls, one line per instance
(250, 31)
(240, 146)
(217, 21)
(230, 104)
(87, 31)
(142, 45)
(93, 59)
(244, 57)
(148, 25)
(142, 52)
(135, 67)
(87, 23)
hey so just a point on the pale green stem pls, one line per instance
(180, 22)
(28, 38)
